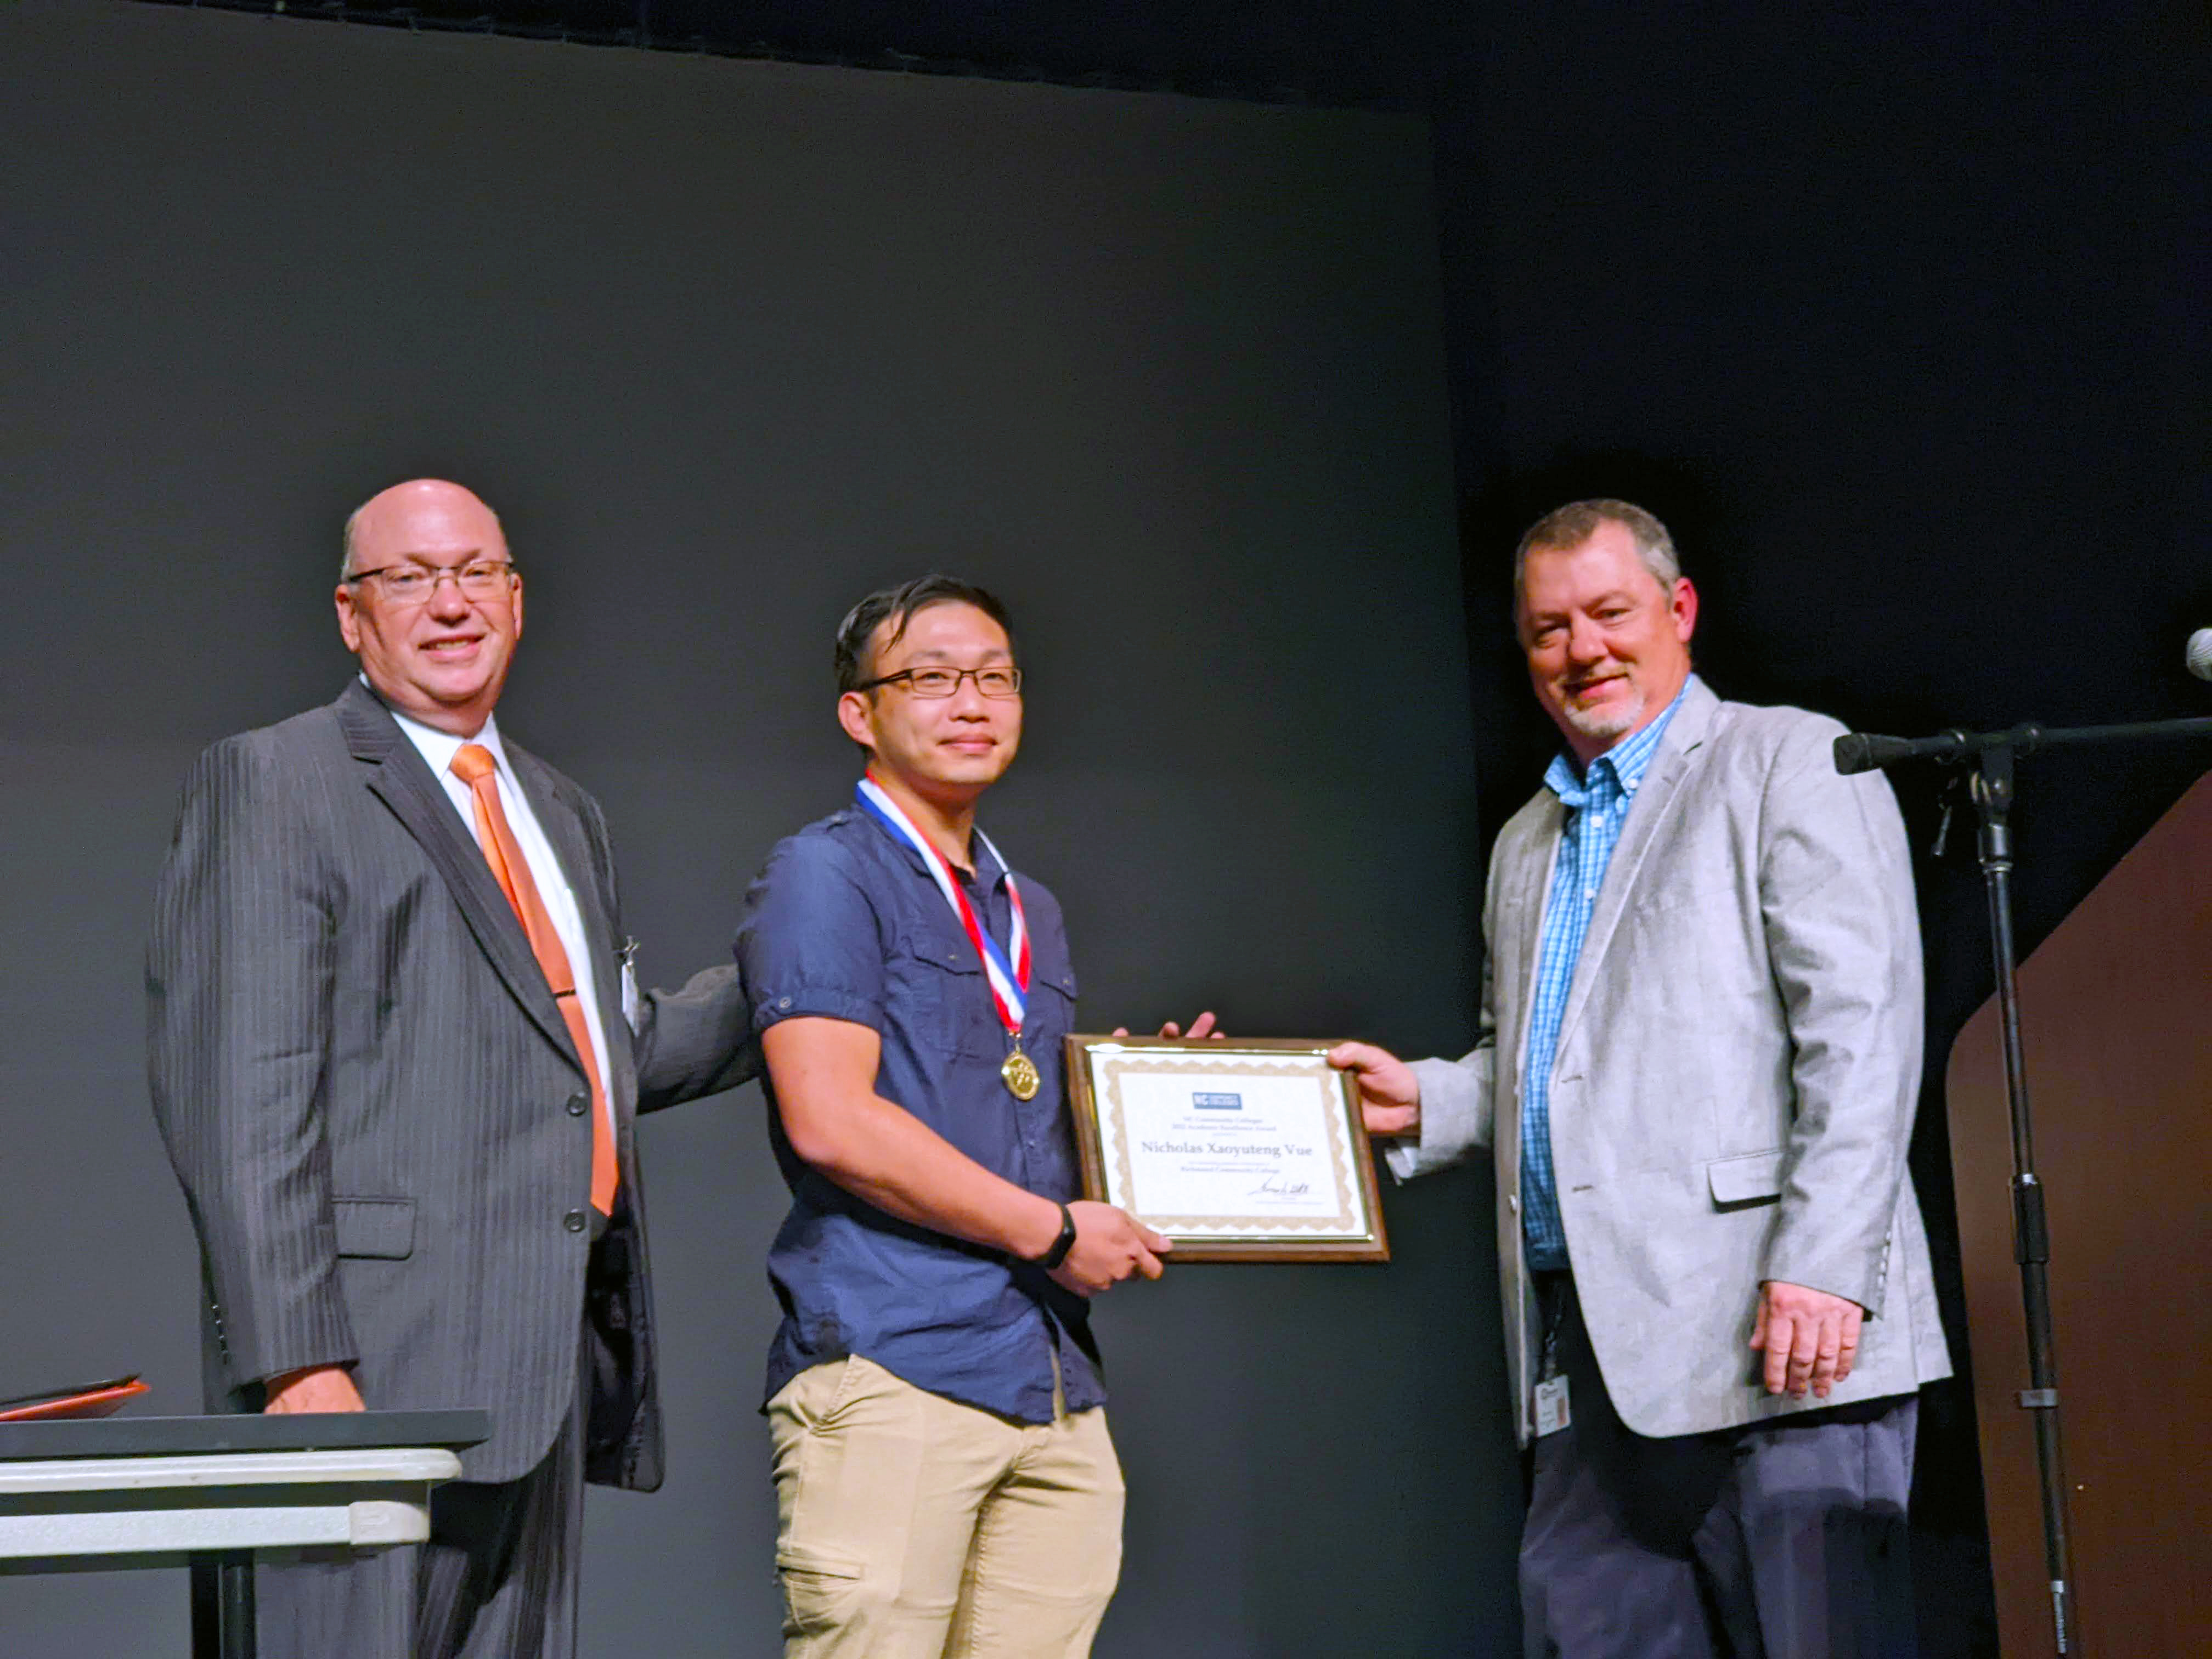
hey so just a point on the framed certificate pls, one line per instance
(1239, 1151)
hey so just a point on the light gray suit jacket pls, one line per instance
(380, 1122)
(1737, 1072)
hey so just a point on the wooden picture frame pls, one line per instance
(1239, 1151)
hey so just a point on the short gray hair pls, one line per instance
(345, 558)
(1576, 522)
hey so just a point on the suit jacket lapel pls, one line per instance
(1679, 751)
(419, 801)
(1534, 854)
(565, 830)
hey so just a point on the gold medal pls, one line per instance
(1020, 1073)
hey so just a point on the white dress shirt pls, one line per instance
(438, 749)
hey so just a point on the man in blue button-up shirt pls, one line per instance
(944, 1479)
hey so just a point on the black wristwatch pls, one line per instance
(1053, 1257)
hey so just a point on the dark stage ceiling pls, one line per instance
(1381, 53)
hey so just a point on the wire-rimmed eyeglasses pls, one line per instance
(414, 584)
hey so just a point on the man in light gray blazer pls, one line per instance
(397, 1057)
(1697, 1056)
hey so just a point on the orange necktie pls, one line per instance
(474, 766)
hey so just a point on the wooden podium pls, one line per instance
(2117, 1008)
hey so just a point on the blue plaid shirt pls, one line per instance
(1597, 804)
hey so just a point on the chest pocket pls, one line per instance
(953, 1011)
(950, 1002)
(1052, 1003)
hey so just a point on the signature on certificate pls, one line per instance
(1276, 1186)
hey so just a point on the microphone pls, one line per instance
(1867, 751)
(2200, 654)
(1864, 751)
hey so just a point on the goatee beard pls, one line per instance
(1612, 721)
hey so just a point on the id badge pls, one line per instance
(631, 1004)
(1552, 1413)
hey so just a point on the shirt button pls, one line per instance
(579, 1104)
(783, 1002)
(1513, 1202)
(574, 1221)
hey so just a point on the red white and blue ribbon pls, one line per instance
(1010, 981)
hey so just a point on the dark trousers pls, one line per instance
(1781, 1539)
(496, 1580)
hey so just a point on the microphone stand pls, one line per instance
(1988, 758)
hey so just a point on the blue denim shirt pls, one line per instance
(1597, 802)
(845, 923)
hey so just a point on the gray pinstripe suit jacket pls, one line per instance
(381, 1125)
(1737, 1069)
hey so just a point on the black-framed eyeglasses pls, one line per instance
(993, 682)
(414, 584)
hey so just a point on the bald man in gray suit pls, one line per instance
(396, 1058)
(1697, 1059)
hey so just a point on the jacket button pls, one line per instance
(574, 1221)
(579, 1104)
(1513, 1202)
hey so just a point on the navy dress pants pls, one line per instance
(1781, 1540)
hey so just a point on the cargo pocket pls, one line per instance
(820, 1588)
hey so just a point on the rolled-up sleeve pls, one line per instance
(809, 940)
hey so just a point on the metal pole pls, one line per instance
(240, 1638)
(222, 1605)
(206, 1579)
(1992, 782)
